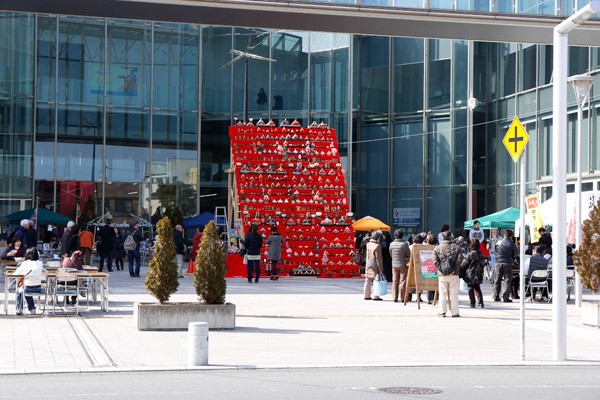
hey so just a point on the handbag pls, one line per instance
(462, 287)
(380, 286)
(242, 252)
(21, 281)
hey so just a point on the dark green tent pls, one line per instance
(45, 217)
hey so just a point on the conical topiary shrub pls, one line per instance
(587, 256)
(209, 277)
(162, 279)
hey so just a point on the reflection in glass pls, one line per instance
(439, 73)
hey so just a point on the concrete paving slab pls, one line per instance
(293, 323)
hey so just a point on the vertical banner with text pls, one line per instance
(535, 218)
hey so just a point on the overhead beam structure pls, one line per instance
(324, 17)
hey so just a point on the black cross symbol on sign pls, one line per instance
(516, 139)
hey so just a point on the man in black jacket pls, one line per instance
(506, 255)
(105, 248)
(545, 238)
(179, 248)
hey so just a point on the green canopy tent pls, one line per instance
(500, 220)
(45, 217)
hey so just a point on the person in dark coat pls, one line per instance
(545, 238)
(506, 256)
(32, 236)
(134, 254)
(118, 251)
(105, 248)
(15, 249)
(64, 241)
(472, 272)
(253, 243)
(74, 243)
(387, 258)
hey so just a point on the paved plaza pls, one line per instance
(292, 323)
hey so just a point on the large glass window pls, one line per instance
(439, 208)
(407, 75)
(407, 159)
(16, 111)
(374, 74)
(438, 76)
(290, 73)
(373, 153)
(527, 66)
(508, 61)
(128, 88)
(439, 143)
(216, 82)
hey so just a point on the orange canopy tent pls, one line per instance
(367, 223)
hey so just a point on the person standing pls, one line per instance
(118, 251)
(400, 253)
(65, 239)
(476, 233)
(374, 265)
(179, 248)
(275, 241)
(506, 255)
(545, 238)
(261, 99)
(253, 243)
(54, 236)
(86, 238)
(22, 232)
(492, 248)
(133, 249)
(195, 245)
(105, 248)
(387, 258)
(443, 229)
(448, 284)
(224, 244)
(74, 242)
(472, 266)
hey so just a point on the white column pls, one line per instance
(579, 194)
(559, 185)
(522, 235)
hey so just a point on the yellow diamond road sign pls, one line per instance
(515, 139)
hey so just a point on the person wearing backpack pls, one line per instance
(132, 246)
(447, 258)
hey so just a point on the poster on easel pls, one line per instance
(422, 274)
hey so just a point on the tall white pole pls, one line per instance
(522, 234)
(559, 175)
(578, 222)
(559, 185)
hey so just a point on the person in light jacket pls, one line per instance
(374, 265)
(275, 241)
(448, 284)
(400, 253)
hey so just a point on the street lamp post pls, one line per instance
(559, 175)
(581, 85)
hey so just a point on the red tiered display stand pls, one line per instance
(292, 177)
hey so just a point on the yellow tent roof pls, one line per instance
(367, 223)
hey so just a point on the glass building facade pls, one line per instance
(134, 114)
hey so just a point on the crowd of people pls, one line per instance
(473, 258)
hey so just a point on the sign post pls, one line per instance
(422, 274)
(515, 140)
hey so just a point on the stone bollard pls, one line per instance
(197, 344)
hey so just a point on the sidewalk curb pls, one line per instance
(549, 364)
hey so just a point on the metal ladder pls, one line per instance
(221, 213)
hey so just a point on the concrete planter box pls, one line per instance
(176, 316)
(590, 314)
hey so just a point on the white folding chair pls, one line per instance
(538, 279)
(27, 291)
(63, 287)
